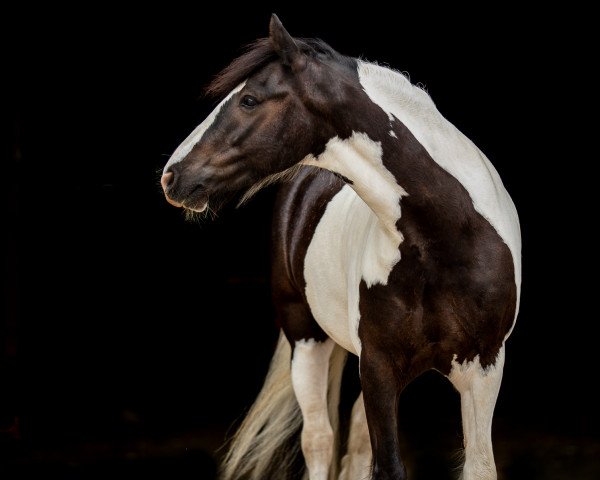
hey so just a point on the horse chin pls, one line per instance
(197, 208)
(197, 201)
(208, 204)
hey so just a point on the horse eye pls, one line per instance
(249, 101)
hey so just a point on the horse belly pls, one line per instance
(348, 246)
(327, 294)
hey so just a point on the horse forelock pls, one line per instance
(259, 54)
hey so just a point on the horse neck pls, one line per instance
(359, 159)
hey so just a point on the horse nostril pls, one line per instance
(166, 180)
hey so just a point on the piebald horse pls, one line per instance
(408, 255)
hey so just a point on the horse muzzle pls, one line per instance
(191, 197)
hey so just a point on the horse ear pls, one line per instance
(285, 46)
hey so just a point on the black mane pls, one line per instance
(257, 55)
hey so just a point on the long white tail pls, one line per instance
(267, 444)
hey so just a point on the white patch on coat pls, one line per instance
(478, 388)
(393, 134)
(310, 367)
(356, 238)
(450, 149)
(193, 138)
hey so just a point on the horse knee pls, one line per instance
(482, 468)
(398, 472)
(317, 439)
(317, 448)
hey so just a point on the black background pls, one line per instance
(135, 326)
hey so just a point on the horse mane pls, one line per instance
(257, 55)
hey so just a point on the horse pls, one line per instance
(405, 251)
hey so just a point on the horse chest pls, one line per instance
(348, 246)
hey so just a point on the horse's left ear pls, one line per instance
(285, 45)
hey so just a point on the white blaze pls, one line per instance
(193, 138)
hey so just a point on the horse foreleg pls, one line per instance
(310, 366)
(478, 393)
(382, 382)
(356, 464)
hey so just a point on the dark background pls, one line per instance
(132, 339)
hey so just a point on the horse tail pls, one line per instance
(267, 443)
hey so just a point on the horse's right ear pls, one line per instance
(285, 46)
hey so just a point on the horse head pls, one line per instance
(283, 100)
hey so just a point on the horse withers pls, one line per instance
(394, 239)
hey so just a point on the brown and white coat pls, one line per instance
(408, 256)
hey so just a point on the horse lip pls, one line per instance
(197, 209)
(197, 200)
(173, 202)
